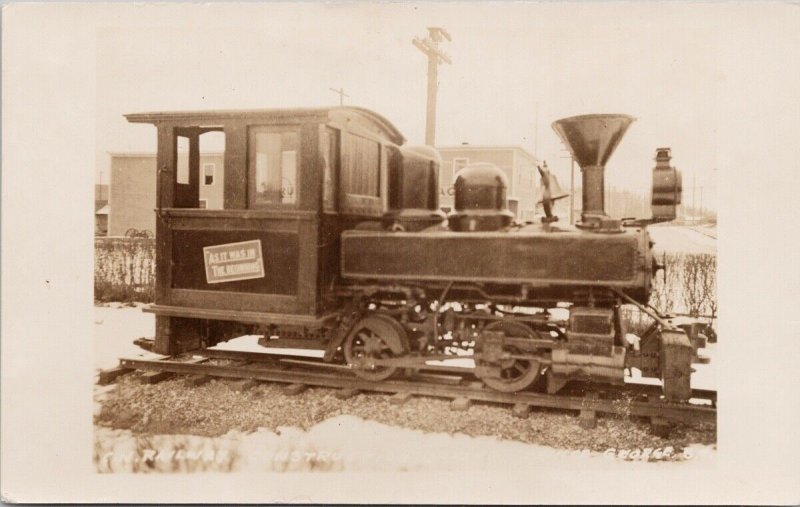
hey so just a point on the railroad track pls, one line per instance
(637, 400)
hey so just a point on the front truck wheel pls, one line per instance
(375, 337)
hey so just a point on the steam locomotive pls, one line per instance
(330, 237)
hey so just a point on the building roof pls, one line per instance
(102, 211)
(134, 154)
(212, 116)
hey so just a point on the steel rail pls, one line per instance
(274, 359)
(653, 407)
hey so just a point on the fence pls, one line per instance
(124, 269)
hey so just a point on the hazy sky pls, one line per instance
(659, 65)
(657, 62)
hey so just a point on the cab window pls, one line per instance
(273, 166)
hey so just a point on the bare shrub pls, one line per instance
(124, 269)
(634, 320)
(666, 283)
(699, 284)
(689, 285)
(709, 282)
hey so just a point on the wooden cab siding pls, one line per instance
(288, 241)
(299, 239)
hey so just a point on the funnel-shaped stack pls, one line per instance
(591, 139)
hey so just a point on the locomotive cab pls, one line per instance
(267, 253)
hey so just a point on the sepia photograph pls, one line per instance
(351, 247)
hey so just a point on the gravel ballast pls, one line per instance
(216, 408)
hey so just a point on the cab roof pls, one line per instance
(346, 113)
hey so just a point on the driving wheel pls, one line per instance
(515, 374)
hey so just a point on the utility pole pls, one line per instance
(341, 93)
(536, 131)
(702, 212)
(694, 188)
(430, 46)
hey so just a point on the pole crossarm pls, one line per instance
(341, 94)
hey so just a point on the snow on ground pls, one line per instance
(115, 328)
(377, 448)
(676, 238)
(249, 343)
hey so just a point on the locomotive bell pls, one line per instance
(549, 192)
(481, 203)
(591, 139)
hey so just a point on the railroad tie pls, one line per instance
(588, 416)
(243, 385)
(461, 404)
(154, 377)
(294, 389)
(197, 380)
(521, 410)
(346, 393)
(659, 426)
(400, 398)
(107, 377)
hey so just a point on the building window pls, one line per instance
(273, 165)
(458, 164)
(203, 204)
(208, 174)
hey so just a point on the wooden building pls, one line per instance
(132, 196)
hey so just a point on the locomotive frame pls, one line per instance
(359, 261)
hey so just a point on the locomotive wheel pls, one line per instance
(516, 374)
(377, 337)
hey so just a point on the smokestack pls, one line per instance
(591, 139)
